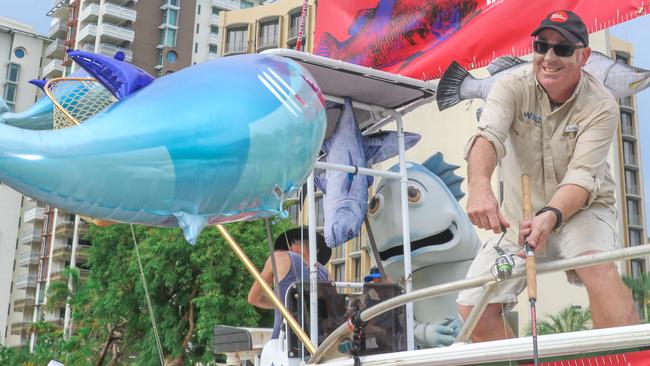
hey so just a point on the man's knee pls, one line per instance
(600, 276)
(491, 315)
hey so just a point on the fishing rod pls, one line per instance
(531, 270)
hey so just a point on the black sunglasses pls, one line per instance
(560, 49)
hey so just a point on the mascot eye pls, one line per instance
(413, 194)
(375, 204)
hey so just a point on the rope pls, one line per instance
(146, 292)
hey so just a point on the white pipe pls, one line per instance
(67, 324)
(348, 284)
(358, 105)
(406, 229)
(313, 271)
(352, 169)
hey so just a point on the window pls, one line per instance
(631, 185)
(637, 267)
(172, 2)
(215, 10)
(269, 34)
(339, 252)
(339, 272)
(172, 56)
(214, 29)
(171, 17)
(356, 264)
(198, 9)
(243, 4)
(19, 52)
(627, 128)
(294, 24)
(236, 40)
(635, 237)
(160, 58)
(196, 47)
(169, 38)
(633, 212)
(61, 313)
(197, 28)
(214, 49)
(629, 155)
(11, 85)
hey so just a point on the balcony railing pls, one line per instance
(28, 259)
(233, 48)
(36, 213)
(267, 43)
(21, 301)
(18, 327)
(92, 9)
(116, 32)
(30, 237)
(26, 281)
(55, 49)
(110, 50)
(57, 28)
(89, 31)
(226, 4)
(119, 12)
(53, 69)
(214, 19)
(213, 38)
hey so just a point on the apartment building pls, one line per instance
(20, 63)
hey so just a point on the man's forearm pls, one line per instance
(569, 199)
(481, 164)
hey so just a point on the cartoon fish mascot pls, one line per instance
(443, 241)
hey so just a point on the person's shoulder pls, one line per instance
(520, 78)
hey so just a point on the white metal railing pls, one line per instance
(53, 47)
(110, 50)
(120, 12)
(28, 258)
(88, 47)
(226, 4)
(88, 30)
(212, 55)
(36, 213)
(92, 9)
(214, 19)
(29, 237)
(213, 38)
(55, 27)
(28, 280)
(115, 31)
(236, 48)
(52, 66)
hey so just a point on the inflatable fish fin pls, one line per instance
(328, 45)
(321, 183)
(479, 112)
(448, 93)
(40, 83)
(445, 171)
(119, 77)
(360, 20)
(503, 63)
(382, 145)
(192, 225)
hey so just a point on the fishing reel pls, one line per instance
(503, 265)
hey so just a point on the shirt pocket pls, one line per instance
(525, 142)
(562, 149)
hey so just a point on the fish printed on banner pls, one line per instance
(397, 31)
(457, 84)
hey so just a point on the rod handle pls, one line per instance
(531, 269)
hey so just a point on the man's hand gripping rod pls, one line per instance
(531, 271)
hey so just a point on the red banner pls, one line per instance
(419, 38)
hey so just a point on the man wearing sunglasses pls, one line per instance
(554, 122)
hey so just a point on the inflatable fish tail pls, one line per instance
(448, 94)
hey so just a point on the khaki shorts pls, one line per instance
(591, 229)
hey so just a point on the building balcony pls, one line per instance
(55, 321)
(53, 69)
(214, 39)
(61, 9)
(20, 327)
(110, 50)
(34, 214)
(29, 258)
(214, 19)
(29, 237)
(212, 55)
(22, 301)
(235, 49)
(88, 33)
(266, 44)
(226, 4)
(118, 13)
(58, 274)
(89, 13)
(88, 47)
(66, 229)
(170, 4)
(110, 32)
(56, 49)
(26, 281)
(58, 29)
(167, 25)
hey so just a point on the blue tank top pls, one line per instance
(299, 271)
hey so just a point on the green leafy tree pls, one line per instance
(569, 319)
(640, 287)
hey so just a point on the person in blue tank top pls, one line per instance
(291, 252)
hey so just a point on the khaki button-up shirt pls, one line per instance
(568, 145)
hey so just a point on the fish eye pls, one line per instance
(414, 194)
(375, 204)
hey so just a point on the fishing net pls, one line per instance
(76, 99)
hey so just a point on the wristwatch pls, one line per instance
(558, 215)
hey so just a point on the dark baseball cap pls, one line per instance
(568, 24)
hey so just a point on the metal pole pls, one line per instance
(355, 170)
(313, 271)
(267, 289)
(67, 324)
(375, 252)
(406, 229)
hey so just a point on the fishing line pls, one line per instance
(146, 293)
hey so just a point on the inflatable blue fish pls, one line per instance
(217, 142)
